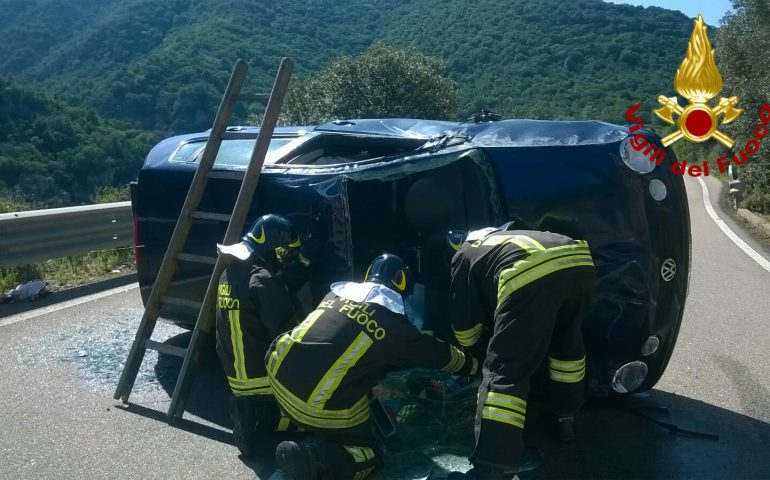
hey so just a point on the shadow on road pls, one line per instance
(629, 438)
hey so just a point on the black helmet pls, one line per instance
(270, 232)
(391, 271)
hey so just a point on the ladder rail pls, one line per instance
(204, 322)
(181, 231)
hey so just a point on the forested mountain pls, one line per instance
(163, 65)
(53, 155)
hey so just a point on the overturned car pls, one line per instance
(361, 187)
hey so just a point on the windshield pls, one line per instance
(232, 153)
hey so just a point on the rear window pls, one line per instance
(232, 153)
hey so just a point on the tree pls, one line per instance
(743, 42)
(380, 82)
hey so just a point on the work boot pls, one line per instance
(295, 461)
(566, 429)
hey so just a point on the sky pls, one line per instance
(712, 10)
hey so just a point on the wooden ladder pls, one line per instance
(205, 321)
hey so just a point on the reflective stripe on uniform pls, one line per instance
(500, 407)
(317, 417)
(503, 415)
(283, 424)
(363, 473)
(527, 243)
(468, 338)
(284, 343)
(359, 454)
(236, 337)
(331, 380)
(567, 371)
(456, 360)
(540, 264)
(250, 386)
(506, 401)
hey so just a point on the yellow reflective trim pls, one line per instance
(286, 341)
(523, 245)
(292, 401)
(296, 243)
(401, 284)
(501, 415)
(363, 473)
(355, 452)
(283, 424)
(567, 365)
(572, 377)
(307, 415)
(530, 241)
(456, 360)
(538, 265)
(261, 238)
(469, 337)
(236, 337)
(331, 380)
(507, 401)
(250, 382)
(249, 393)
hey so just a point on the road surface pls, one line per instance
(60, 365)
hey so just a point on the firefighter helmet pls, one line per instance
(267, 234)
(270, 232)
(391, 271)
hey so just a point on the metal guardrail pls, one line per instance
(39, 235)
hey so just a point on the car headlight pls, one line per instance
(650, 346)
(658, 190)
(629, 377)
(635, 159)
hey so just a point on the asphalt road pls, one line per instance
(58, 419)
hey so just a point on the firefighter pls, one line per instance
(254, 307)
(517, 298)
(323, 370)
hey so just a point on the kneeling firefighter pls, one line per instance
(323, 370)
(517, 298)
(254, 307)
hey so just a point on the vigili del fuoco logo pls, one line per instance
(698, 80)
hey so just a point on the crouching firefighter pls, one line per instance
(323, 370)
(517, 298)
(254, 307)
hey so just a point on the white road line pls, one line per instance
(61, 306)
(762, 261)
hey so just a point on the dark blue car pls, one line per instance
(361, 187)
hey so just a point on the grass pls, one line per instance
(70, 271)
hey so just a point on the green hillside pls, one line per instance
(163, 65)
(52, 154)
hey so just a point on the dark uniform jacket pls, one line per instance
(323, 370)
(488, 270)
(253, 308)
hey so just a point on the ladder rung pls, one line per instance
(253, 97)
(189, 257)
(181, 302)
(165, 348)
(226, 174)
(219, 217)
